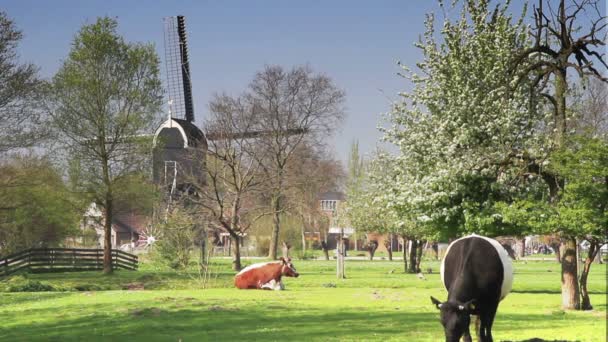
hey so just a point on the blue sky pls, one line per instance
(357, 43)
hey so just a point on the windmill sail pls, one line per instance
(179, 84)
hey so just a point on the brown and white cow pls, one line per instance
(265, 275)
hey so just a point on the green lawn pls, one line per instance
(377, 302)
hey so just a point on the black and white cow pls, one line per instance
(478, 274)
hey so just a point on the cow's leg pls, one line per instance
(269, 285)
(487, 318)
(466, 337)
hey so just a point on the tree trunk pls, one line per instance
(421, 246)
(389, 249)
(285, 249)
(404, 254)
(325, 250)
(413, 248)
(593, 251)
(109, 208)
(340, 257)
(372, 246)
(556, 248)
(522, 252)
(303, 240)
(236, 259)
(570, 290)
(561, 89)
(435, 247)
(276, 222)
(107, 245)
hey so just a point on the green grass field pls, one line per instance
(378, 302)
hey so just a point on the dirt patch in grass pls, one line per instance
(135, 286)
(146, 312)
(221, 308)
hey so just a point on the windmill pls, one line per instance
(179, 145)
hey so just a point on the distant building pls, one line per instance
(330, 204)
(127, 228)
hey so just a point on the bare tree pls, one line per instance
(233, 173)
(593, 110)
(310, 172)
(20, 116)
(562, 43)
(295, 100)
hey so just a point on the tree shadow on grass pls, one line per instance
(218, 323)
(551, 292)
(541, 340)
(200, 319)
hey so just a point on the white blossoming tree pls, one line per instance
(373, 206)
(461, 131)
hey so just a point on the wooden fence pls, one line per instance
(64, 259)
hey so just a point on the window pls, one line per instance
(170, 172)
(328, 205)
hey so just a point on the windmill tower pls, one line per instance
(179, 146)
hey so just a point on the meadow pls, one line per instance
(377, 302)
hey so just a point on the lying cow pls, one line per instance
(478, 274)
(265, 275)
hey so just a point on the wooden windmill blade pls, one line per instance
(179, 83)
(252, 134)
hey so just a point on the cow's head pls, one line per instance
(455, 317)
(288, 269)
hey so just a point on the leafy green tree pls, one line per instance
(104, 97)
(36, 208)
(581, 211)
(565, 39)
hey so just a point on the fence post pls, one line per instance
(97, 258)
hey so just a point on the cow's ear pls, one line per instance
(283, 260)
(436, 302)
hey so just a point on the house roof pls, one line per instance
(129, 223)
(332, 196)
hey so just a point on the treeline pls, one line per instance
(85, 137)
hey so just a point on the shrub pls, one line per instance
(88, 287)
(176, 241)
(262, 246)
(30, 286)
